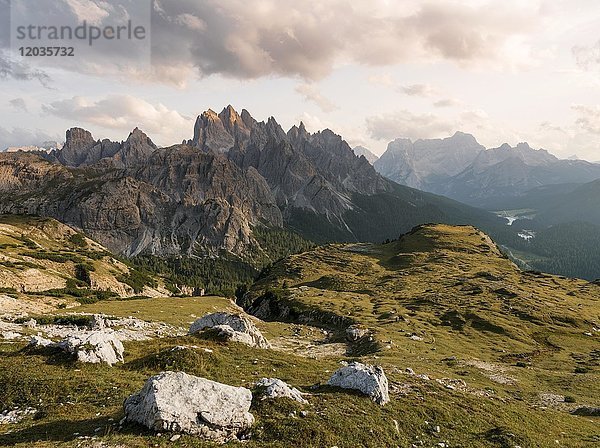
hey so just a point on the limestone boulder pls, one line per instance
(276, 388)
(94, 347)
(370, 380)
(233, 327)
(178, 402)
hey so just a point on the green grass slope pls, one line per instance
(498, 357)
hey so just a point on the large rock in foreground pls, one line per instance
(369, 380)
(94, 347)
(176, 401)
(233, 327)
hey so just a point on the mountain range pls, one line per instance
(213, 192)
(462, 169)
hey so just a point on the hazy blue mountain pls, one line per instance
(425, 164)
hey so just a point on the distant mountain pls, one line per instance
(46, 147)
(506, 172)
(425, 164)
(460, 168)
(362, 151)
(216, 191)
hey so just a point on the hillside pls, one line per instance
(42, 258)
(447, 303)
(477, 353)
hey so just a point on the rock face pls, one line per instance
(369, 380)
(94, 347)
(178, 402)
(180, 201)
(424, 163)
(276, 388)
(234, 327)
(80, 149)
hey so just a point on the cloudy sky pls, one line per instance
(371, 70)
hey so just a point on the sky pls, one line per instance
(370, 70)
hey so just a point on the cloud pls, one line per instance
(307, 40)
(92, 11)
(447, 102)
(588, 118)
(124, 112)
(311, 93)
(10, 68)
(246, 40)
(191, 21)
(423, 90)
(408, 125)
(382, 79)
(587, 57)
(18, 104)
(24, 137)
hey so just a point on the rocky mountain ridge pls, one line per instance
(208, 194)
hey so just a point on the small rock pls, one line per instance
(15, 416)
(354, 333)
(234, 327)
(31, 323)
(303, 414)
(95, 347)
(38, 341)
(276, 388)
(97, 322)
(11, 335)
(175, 438)
(369, 380)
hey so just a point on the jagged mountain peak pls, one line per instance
(140, 136)
(232, 121)
(366, 153)
(78, 137)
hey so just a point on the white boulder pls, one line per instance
(11, 335)
(94, 347)
(370, 380)
(97, 322)
(178, 402)
(234, 327)
(39, 341)
(276, 388)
